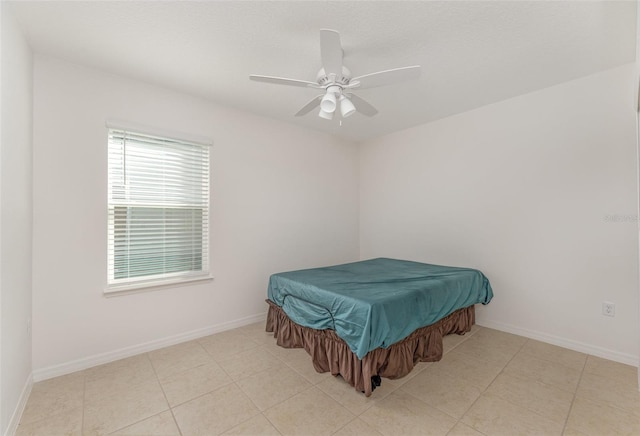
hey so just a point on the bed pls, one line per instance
(375, 318)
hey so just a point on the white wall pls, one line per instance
(282, 198)
(15, 220)
(522, 190)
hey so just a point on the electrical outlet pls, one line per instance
(608, 308)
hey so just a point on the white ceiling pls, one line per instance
(472, 53)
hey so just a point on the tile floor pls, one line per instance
(241, 382)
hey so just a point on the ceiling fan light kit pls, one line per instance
(346, 107)
(326, 115)
(328, 102)
(334, 78)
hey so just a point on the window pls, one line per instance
(158, 210)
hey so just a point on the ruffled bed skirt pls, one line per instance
(330, 353)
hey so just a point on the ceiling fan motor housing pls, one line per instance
(325, 80)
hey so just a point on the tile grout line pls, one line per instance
(262, 412)
(163, 393)
(354, 418)
(234, 382)
(547, 384)
(594, 400)
(188, 369)
(273, 405)
(175, 421)
(465, 338)
(575, 393)
(399, 388)
(490, 383)
(311, 386)
(270, 422)
(300, 373)
(84, 401)
(457, 420)
(551, 360)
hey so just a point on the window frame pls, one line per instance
(158, 281)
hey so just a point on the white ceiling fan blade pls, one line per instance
(387, 77)
(310, 106)
(283, 81)
(362, 106)
(331, 52)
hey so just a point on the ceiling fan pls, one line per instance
(336, 83)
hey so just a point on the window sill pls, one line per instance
(134, 288)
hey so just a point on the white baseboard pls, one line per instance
(628, 359)
(22, 402)
(99, 359)
(110, 356)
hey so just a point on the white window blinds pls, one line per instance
(158, 206)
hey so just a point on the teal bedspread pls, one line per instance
(375, 303)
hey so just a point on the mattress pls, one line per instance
(377, 302)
